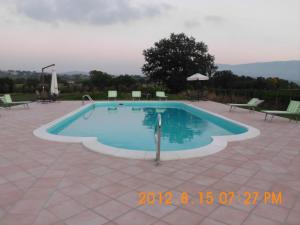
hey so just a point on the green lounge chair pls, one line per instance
(161, 95)
(293, 110)
(112, 94)
(136, 94)
(251, 105)
(6, 99)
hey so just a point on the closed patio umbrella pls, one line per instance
(54, 85)
(198, 77)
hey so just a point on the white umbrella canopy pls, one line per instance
(54, 84)
(197, 76)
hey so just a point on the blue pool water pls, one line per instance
(131, 125)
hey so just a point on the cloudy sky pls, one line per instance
(110, 35)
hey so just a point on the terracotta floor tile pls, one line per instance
(215, 173)
(226, 186)
(17, 219)
(293, 218)
(183, 217)
(161, 223)
(102, 170)
(204, 209)
(208, 221)
(27, 206)
(205, 180)
(297, 205)
(45, 218)
(183, 175)
(245, 172)
(132, 170)
(235, 178)
(114, 190)
(98, 183)
(116, 176)
(224, 168)
(112, 209)
(151, 187)
(135, 217)
(258, 220)
(168, 182)
(157, 210)
(56, 198)
(66, 209)
(111, 223)
(133, 182)
(229, 215)
(86, 218)
(92, 199)
(191, 188)
(75, 190)
(130, 198)
(261, 184)
(272, 212)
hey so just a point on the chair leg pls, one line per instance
(266, 116)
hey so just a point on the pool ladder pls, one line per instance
(88, 97)
(157, 135)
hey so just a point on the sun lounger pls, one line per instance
(293, 111)
(251, 105)
(6, 99)
(112, 94)
(161, 95)
(136, 94)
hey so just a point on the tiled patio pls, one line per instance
(50, 183)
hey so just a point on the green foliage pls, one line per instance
(100, 80)
(6, 85)
(125, 83)
(172, 60)
(227, 80)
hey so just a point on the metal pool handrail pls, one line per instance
(157, 138)
(88, 97)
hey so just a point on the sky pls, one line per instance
(110, 35)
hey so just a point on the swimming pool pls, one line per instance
(127, 129)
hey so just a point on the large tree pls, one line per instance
(100, 80)
(172, 60)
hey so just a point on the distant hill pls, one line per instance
(289, 70)
(75, 73)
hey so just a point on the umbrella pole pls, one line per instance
(199, 90)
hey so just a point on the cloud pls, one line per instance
(88, 11)
(192, 23)
(214, 19)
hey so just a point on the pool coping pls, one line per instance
(219, 142)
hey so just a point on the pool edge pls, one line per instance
(218, 144)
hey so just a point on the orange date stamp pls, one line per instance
(208, 198)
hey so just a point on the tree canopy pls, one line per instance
(226, 79)
(173, 59)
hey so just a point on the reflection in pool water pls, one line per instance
(179, 126)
